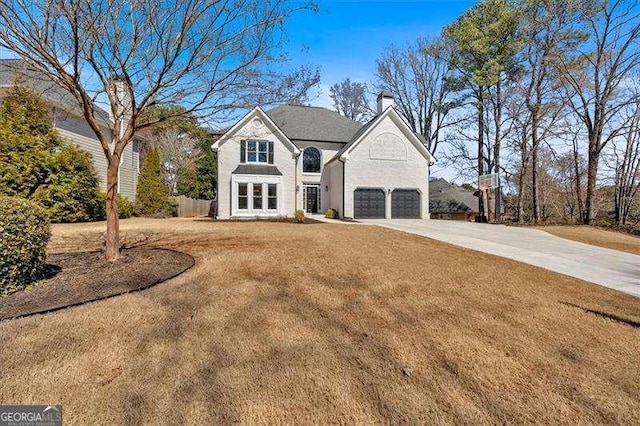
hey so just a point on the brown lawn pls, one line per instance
(289, 323)
(596, 237)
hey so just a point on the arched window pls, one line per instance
(311, 160)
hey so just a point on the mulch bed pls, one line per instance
(82, 277)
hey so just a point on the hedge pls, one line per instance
(24, 233)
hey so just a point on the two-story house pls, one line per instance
(298, 157)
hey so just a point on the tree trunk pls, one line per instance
(520, 195)
(578, 179)
(534, 176)
(617, 196)
(481, 148)
(496, 151)
(592, 172)
(112, 239)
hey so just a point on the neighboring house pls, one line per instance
(450, 201)
(70, 124)
(297, 157)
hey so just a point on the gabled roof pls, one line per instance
(307, 123)
(257, 112)
(364, 130)
(18, 72)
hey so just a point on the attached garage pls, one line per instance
(369, 203)
(405, 204)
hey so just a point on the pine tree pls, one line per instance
(71, 193)
(486, 41)
(152, 195)
(27, 143)
(36, 164)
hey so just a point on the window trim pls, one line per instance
(251, 182)
(255, 197)
(243, 196)
(269, 197)
(257, 151)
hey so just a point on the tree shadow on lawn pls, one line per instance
(283, 354)
(318, 347)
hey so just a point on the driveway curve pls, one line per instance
(610, 268)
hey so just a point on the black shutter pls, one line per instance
(270, 152)
(243, 151)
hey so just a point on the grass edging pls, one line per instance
(147, 285)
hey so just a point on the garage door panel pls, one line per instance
(405, 204)
(369, 203)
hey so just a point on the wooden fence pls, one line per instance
(188, 207)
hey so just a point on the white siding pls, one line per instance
(229, 159)
(76, 130)
(129, 172)
(394, 162)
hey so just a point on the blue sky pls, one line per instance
(345, 37)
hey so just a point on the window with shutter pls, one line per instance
(255, 151)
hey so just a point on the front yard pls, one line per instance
(596, 237)
(322, 323)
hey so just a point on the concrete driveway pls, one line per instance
(609, 268)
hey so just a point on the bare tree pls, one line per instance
(210, 56)
(177, 152)
(350, 99)
(626, 155)
(548, 34)
(597, 92)
(518, 143)
(418, 78)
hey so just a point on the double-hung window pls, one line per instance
(243, 196)
(257, 197)
(272, 195)
(256, 151)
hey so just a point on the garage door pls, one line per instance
(368, 203)
(405, 204)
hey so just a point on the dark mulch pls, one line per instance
(82, 277)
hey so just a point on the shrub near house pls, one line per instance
(24, 233)
(36, 164)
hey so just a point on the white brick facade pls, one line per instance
(368, 166)
(384, 155)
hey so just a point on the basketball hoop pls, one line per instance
(488, 181)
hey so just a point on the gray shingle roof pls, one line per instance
(17, 72)
(449, 197)
(353, 139)
(313, 124)
(256, 169)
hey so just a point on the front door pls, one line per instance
(311, 195)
